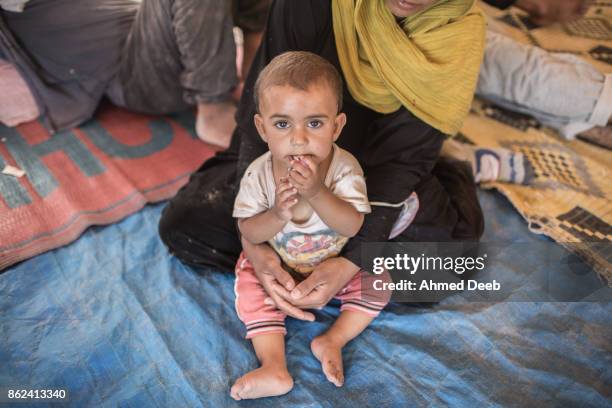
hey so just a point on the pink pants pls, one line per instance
(261, 318)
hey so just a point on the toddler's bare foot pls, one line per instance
(215, 123)
(266, 381)
(329, 353)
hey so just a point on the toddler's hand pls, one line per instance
(285, 199)
(304, 175)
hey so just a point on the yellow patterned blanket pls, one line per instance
(570, 198)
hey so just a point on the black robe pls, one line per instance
(399, 154)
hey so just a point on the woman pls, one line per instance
(423, 60)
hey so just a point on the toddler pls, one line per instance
(305, 197)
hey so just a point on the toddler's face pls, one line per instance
(299, 123)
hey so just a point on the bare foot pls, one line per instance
(329, 354)
(215, 122)
(266, 381)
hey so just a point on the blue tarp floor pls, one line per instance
(117, 321)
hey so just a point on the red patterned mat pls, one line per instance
(96, 174)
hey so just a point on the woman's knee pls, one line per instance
(199, 237)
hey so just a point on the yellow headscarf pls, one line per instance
(429, 65)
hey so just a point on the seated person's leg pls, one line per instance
(531, 80)
(182, 53)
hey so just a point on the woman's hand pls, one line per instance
(323, 284)
(273, 277)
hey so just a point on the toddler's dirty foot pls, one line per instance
(266, 381)
(329, 354)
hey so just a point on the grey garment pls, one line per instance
(154, 56)
(178, 53)
(556, 89)
(67, 51)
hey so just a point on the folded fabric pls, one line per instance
(530, 80)
(17, 105)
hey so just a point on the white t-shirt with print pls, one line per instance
(303, 246)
